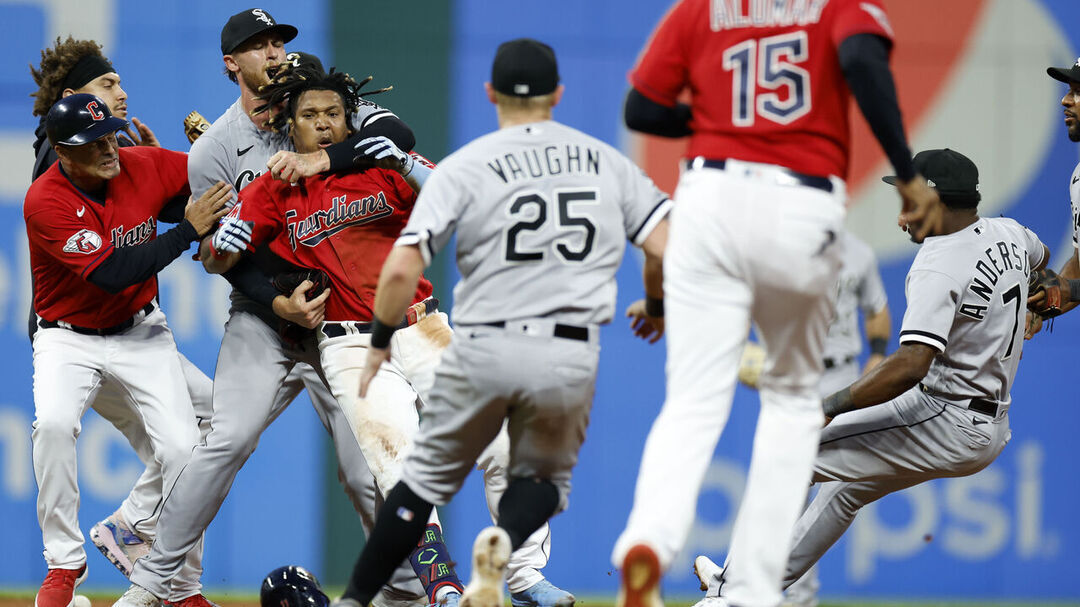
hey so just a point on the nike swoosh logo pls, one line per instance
(1075, 179)
(977, 422)
(240, 152)
(80, 212)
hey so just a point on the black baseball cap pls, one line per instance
(953, 175)
(245, 24)
(524, 68)
(1065, 74)
(80, 118)
(302, 59)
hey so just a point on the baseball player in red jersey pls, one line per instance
(341, 223)
(94, 254)
(755, 219)
(78, 66)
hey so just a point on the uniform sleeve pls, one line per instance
(76, 244)
(206, 165)
(663, 66)
(872, 298)
(860, 17)
(932, 301)
(258, 205)
(643, 204)
(1035, 247)
(435, 214)
(172, 170)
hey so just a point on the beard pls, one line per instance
(1074, 132)
(254, 79)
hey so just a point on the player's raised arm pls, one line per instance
(864, 59)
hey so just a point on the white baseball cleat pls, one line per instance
(137, 596)
(491, 553)
(709, 574)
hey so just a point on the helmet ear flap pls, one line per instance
(292, 586)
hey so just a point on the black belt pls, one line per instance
(978, 405)
(561, 330)
(832, 362)
(337, 329)
(810, 181)
(113, 330)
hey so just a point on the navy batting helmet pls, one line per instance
(292, 586)
(80, 118)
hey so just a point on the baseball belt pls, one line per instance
(113, 330)
(810, 181)
(834, 362)
(560, 330)
(416, 312)
(978, 405)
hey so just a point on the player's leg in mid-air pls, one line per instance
(384, 424)
(528, 586)
(404, 588)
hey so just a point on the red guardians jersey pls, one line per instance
(342, 223)
(763, 75)
(70, 234)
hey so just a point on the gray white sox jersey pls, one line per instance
(234, 146)
(966, 295)
(859, 288)
(1074, 199)
(541, 212)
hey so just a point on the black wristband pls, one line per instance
(878, 345)
(654, 306)
(381, 333)
(837, 403)
(1074, 290)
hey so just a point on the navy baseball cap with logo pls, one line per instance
(524, 68)
(80, 118)
(1065, 74)
(245, 24)
(953, 175)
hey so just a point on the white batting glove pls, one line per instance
(385, 154)
(233, 236)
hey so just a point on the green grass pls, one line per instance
(229, 598)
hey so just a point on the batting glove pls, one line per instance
(382, 150)
(233, 236)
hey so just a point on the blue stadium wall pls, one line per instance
(975, 84)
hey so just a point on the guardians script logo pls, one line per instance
(322, 224)
(136, 235)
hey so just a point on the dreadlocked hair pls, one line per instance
(291, 81)
(56, 62)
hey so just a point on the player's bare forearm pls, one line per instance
(1069, 271)
(878, 329)
(898, 373)
(653, 272)
(397, 283)
(216, 264)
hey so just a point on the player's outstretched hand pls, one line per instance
(291, 167)
(232, 236)
(204, 213)
(296, 308)
(649, 328)
(922, 209)
(375, 358)
(1032, 325)
(384, 154)
(142, 135)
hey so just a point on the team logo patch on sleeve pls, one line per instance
(83, 241)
